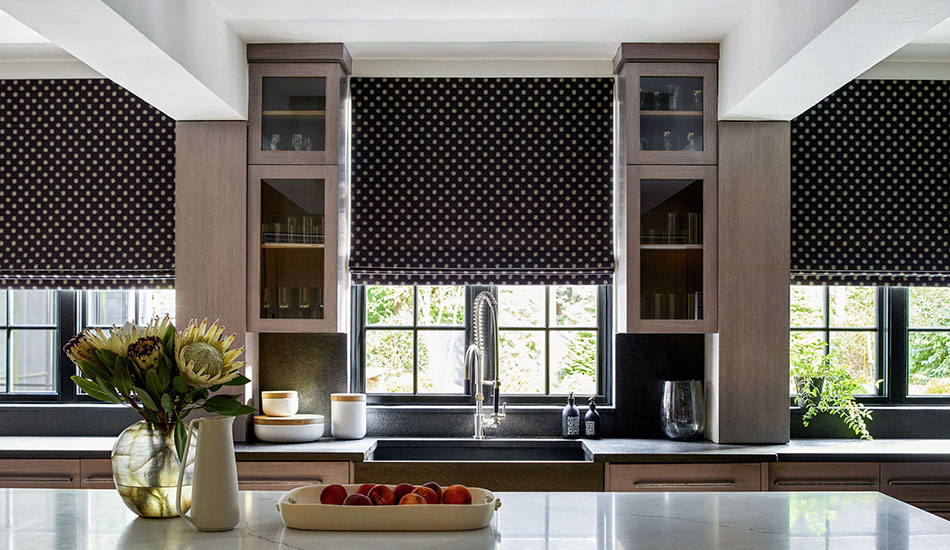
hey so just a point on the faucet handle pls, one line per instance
(504, 407)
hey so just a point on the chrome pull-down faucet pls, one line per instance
(486, 326)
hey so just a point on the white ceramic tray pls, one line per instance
(300, 508)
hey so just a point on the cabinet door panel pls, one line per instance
(46, 473)
(917, 482)
(824, 476)
(96, 474)
(283, 476)
(684, 477)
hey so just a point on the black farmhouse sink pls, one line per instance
(485, 450)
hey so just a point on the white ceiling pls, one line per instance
(14, 32)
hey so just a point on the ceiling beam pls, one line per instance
(784, 57)
(178, 55)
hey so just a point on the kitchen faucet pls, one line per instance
(486, 325)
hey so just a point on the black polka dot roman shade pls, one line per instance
(871, 186)
(87, 188)
(482, 181)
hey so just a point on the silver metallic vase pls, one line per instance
(683, 410)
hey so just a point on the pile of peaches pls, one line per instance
(370, 494)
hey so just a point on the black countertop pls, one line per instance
(602, 450)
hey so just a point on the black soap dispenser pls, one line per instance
(592, 420)
(570, 420)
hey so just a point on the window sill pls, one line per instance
(520, 408)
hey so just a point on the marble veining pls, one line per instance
(92, 519)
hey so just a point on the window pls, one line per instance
(898, 336)
(35, 325)
(411, 341)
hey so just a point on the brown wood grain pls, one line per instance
(96, 473)
(324, 52)
(684, 477)
(494, 476)
(631, 52)
(283, 476)
(824, 476)
(917, 482)
(43, 473)
(747, 361)
(333, 75)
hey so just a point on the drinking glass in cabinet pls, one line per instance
(293, 107)
(671, 113)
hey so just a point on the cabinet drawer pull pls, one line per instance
(41, 479)
(682, 484)
(98, 479)
(280, 481)
(893, 482)
(802, 483)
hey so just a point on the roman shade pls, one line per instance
(871, 186)
(87, 189)
(482, 181)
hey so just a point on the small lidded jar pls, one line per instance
(348, 415)
(279, 403)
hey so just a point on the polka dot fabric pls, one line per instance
(87, 187)
(482, 180)
(871, 186)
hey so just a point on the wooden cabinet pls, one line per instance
(44, 473)
(683, 477)
(925, 485)
(292, 249)
(671, 248)
(824, 476)
(96, 473)
(283, 476)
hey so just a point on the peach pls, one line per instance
(333, 494)
(402, 490)
(365, 488)
(357, 499)
(435, 487)
(457, 494)
(382, 495)
(428, 494)
(412, 498)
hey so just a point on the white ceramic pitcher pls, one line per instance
(214, 494)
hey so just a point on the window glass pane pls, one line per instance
(3, 308)
(389, 361)
(108, 307)
(858, 352)
(32, 307)
(808, 306)
(3, 364)
(574, 306)
(929, 363)
(522, 361)
(441, 305)
(440, 361)
(853, 306)
(800, 350)
(930, 307)
(32, 360)
(574, 362)
(389, 305)
(521, 306)
(156, 303)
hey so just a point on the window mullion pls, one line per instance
(68, 325)
(897, 339)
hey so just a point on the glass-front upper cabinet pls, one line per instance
(671, 113)
(292, 267)
(294, 113)
(671, 243)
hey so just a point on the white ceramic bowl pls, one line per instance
(289, 429)
(279, 403)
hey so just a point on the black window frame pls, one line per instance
(893, 333)
(358, 327)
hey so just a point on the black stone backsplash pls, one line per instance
(313, 364)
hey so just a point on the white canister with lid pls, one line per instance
(280, 403)
(348, 415)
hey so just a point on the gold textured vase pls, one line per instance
(145, 468)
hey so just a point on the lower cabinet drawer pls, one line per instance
(824, 476)
(96, 474)
(283, 476)
(45, 473)
(917, 482)
(684, 477)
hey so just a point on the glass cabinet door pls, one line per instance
(672, 239)
(294, 114)
(295, 243)
(672, 113)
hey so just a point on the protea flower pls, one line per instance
(145, 352)
(203, 356)
(119, 339)
(80, 348)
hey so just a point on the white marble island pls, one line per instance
(35, 519)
